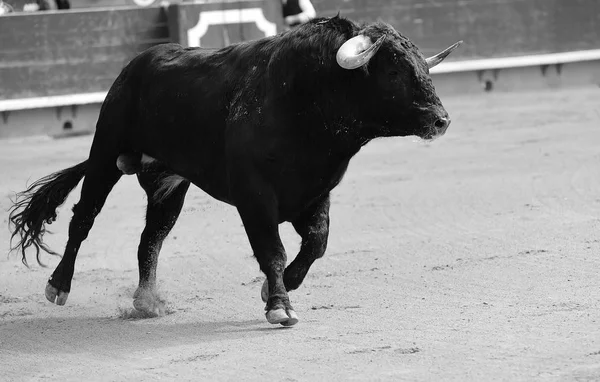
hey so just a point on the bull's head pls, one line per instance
(401, 96)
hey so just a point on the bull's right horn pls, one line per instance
(434, 60)
(357, 51)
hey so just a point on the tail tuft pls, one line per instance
(36, 206)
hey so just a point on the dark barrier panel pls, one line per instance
(55, 53)
(490, 28)
(218, 24)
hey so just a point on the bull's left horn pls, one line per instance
(434, 60)
(357, 51)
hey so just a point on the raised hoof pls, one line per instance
(283, 317)
(264, 291)
(148, 302)
(55, 296)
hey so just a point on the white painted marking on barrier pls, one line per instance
(229, 16)
(144, 3)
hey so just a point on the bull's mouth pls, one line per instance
(433, 135)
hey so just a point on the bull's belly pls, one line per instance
(292, 200)
(295, 191)
(210, 179)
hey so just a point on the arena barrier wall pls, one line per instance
(74, 52)
(65, 67)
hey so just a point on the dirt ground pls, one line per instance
(474, 257)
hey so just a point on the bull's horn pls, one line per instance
(357, 51)
(434, 60)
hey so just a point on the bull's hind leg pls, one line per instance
(100, 177)
(161, 214)
(313, 228)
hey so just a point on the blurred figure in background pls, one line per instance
(296, 12)
(5, 8)
(63, 4)
(60, 4)
(44, 5)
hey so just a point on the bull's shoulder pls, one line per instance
(162, 49)
(171, 56)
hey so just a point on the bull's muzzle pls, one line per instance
(437, 126)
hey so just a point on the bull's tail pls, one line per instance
(36, 206)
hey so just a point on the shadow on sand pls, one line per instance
(97, 334)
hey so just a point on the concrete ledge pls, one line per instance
(51, 101)
(517, 62)
(577, 74)
(50, 121)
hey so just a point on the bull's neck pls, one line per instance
(345, 133)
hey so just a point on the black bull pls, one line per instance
(267, 126)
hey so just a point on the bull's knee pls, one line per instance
(316, 243)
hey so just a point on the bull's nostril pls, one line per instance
(442, 123)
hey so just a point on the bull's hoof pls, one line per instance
(264, 291)
(56, 296)
(147, 301)
(283, 317)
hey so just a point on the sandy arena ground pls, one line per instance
(471, 258)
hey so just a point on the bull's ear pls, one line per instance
(434, 60)
(357, 51)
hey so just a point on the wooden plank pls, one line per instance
(61, 78)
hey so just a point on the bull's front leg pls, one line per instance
(313, 228)
(258, 211)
